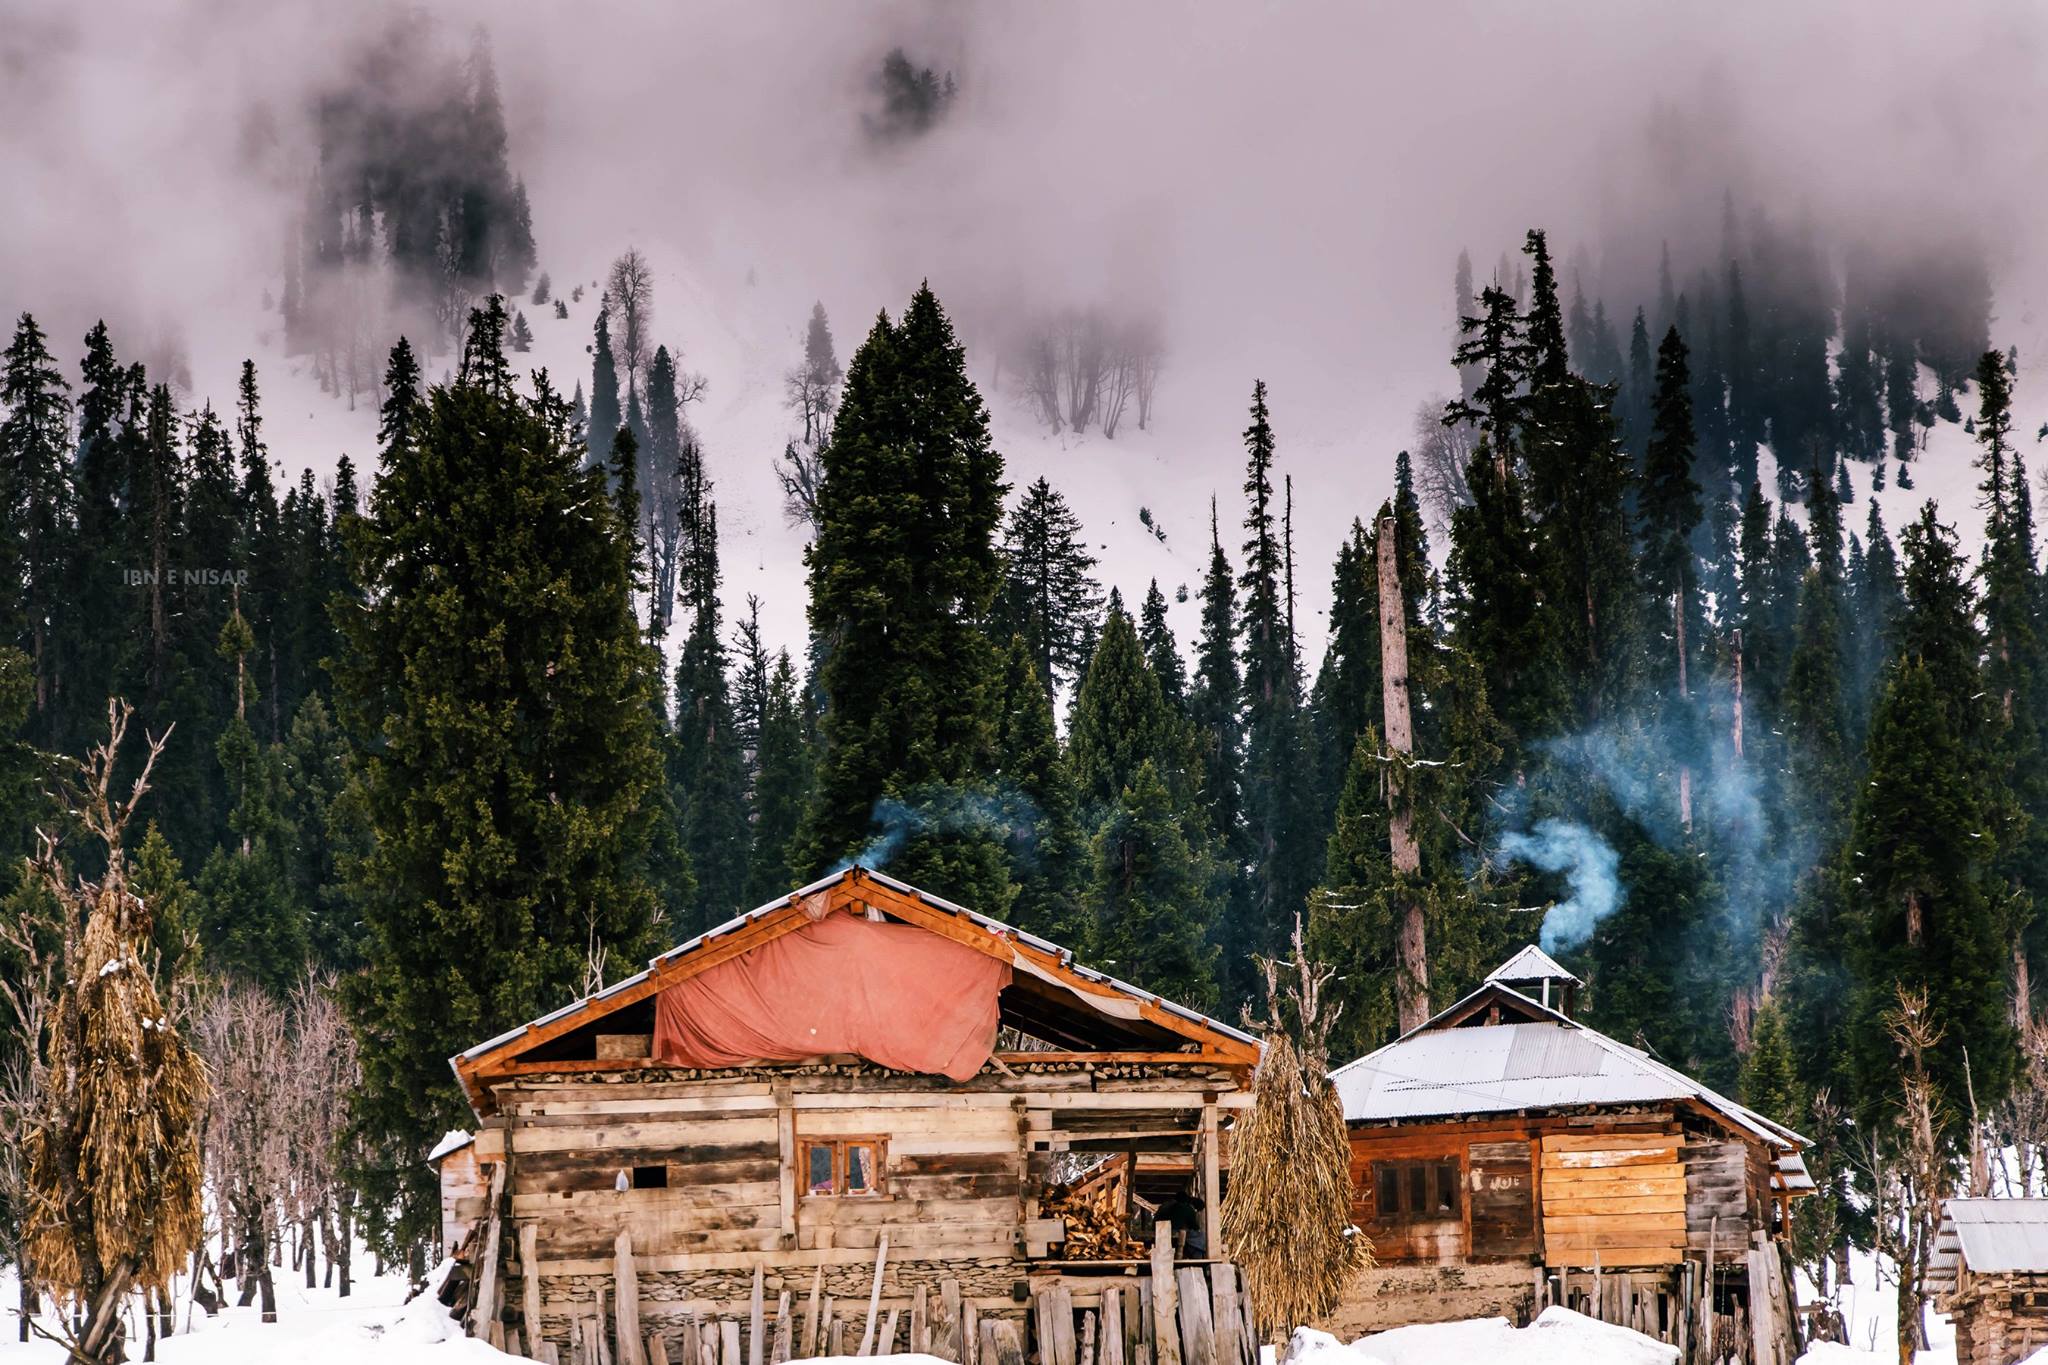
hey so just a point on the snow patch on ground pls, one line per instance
(1557, 1337)
(314, 1327)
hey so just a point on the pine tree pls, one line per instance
(488, 555)
(1278, 806)
(1049, 589)
(1915, 873)
(1216, 703)
(1041, 806)
(707, 765)
(252, 923)
(1149, 893)
(902, 572)
(1669, 505)
(95, 654)
(605, 414)
(37, 513)
(782, 781)
(1123, 721)
(1162, 651)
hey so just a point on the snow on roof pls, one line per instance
(1991, 1237)
(452, 1141)
(1531, 964)
(1546, 1062)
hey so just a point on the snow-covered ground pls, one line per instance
(313, 1327)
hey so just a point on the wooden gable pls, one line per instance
(1079, 1014)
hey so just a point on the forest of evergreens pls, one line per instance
(462, 735)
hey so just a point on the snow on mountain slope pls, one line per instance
(741, 325)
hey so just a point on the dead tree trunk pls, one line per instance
(1684, 696)
(1411, 950)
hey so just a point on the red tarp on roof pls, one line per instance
(900, 996)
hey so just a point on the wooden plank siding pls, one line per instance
(1639, 1189)
(1617, 1196)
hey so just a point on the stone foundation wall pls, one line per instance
(1402, 1295)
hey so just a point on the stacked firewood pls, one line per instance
(1096, 1209)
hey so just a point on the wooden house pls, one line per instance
(1505, 1157)
(1989, 1273)
(838, 1117)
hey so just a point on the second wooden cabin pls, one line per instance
(1505, 1157)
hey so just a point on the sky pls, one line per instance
(1286, 186)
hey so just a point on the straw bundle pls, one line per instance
(1287, 1214)
(113, 1159)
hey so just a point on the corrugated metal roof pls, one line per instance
(1531, 964)
(1547, 1062)
(1991, 1237)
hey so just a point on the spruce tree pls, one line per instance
(95, 650)
(707, 766)
(1915, 873)
(1122, 721)
(605, 414)
(782, 780)
(37, 515)
(1162, 651)
(253, 924)
(1041, 806)
(490, 559)
(1049, 589)
(1150, 896)
(1278, 806)
(902, 572)
(1216, 702)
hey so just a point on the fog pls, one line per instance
(1288, 185)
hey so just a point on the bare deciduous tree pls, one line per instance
(630, 287)
(1442, 453)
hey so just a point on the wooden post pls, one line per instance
(729, 1341)
(970, 1334)
(1707, 1293)
(920, 1321)
(756, 1345)
(867, 1336)
(657, 1350)
(782, 1329)
(1411, 983)
(1165, 1299)
(1197, 1331)
(810, 1340)
(484, 1311)
(626, 1312)
(1223, 1282)
(529, 1267)
(785, 1132)
(1062, 1345)
(1112, 1338)
(1599, 1297)
(946, 1339)
(1212, 1179)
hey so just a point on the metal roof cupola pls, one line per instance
(1536, 974)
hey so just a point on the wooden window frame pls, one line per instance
(878, 1179)
(1447, 1174)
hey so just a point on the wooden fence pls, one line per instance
(1141, 1313)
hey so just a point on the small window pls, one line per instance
(650, 1177)
(1415, 1191)
(847, 1167)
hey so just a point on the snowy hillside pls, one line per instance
(742, 329)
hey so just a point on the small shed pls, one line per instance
(1989, 1272)
(859, 1118)
(1505, 1157)
(462, 1186)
